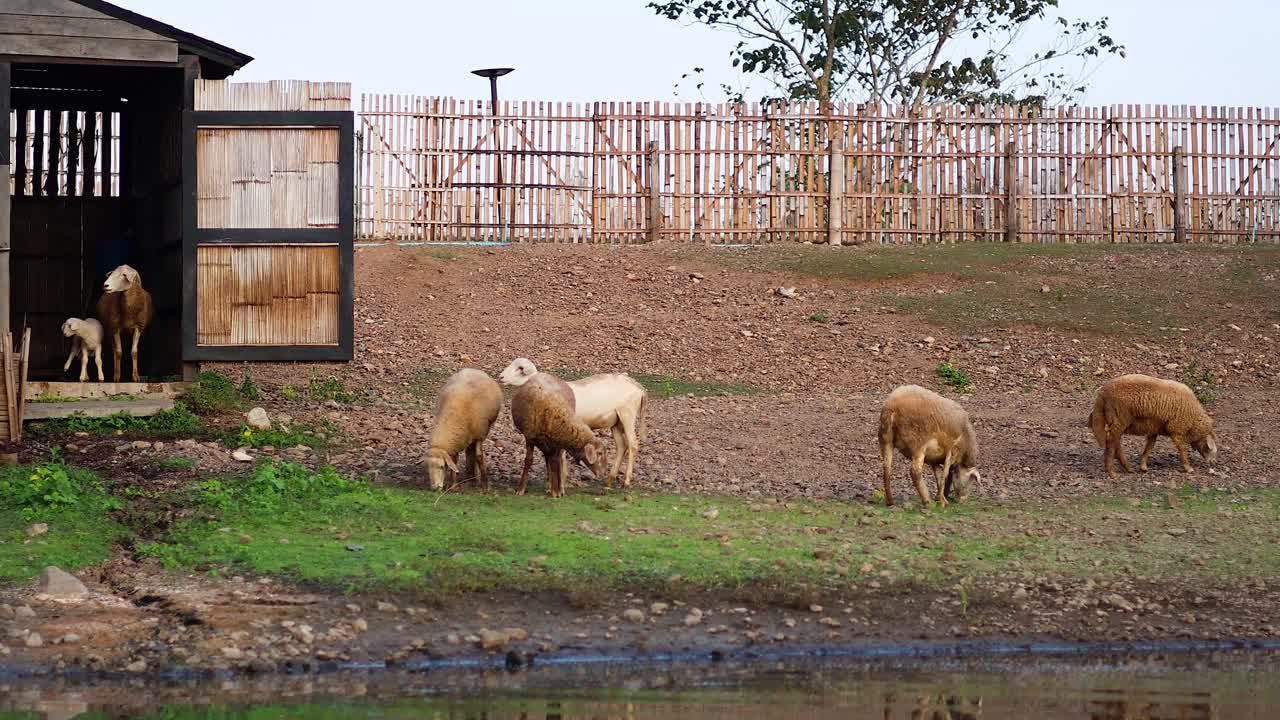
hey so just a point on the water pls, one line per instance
(1226, 686)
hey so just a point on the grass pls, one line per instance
(175, 422)
(71, 502)
(214, 393)
(323, 389)
(343, 533)
(176, 463)
(954, 378)
(820, 318)
(1202, 382)
(311, 436)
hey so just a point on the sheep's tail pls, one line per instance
(1098, 423)
(640, 426)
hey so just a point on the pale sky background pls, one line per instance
(1179, 51)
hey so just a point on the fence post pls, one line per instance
(835, 188)
(655, 191)
(1179, 195)
(1011, 192)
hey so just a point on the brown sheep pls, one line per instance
(928, 429)
(466, 407)
(124, 305)
(543, 411)
(1144, 405)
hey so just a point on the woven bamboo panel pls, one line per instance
(276, 95)
(267, 295)
(267, 177)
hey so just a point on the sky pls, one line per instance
(1179, 51)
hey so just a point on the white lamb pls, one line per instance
(611, 401)
(86, 338)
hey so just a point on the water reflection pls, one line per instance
(1221, 688)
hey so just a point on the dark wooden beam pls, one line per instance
(54, 150)
(108, 129)
(5, 201)
(20, 162)
(37, 155)
(89, 152)
(73, 152)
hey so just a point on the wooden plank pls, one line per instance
(101, 27)
(158, 51)
(98, 408)
(50, 8)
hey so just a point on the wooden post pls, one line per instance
(835, 188)
(1011, 192)
(5, 75)
(651, 170)
(1179, 195)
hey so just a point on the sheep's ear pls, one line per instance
(450, 463)
(590, 453)
(975, 477)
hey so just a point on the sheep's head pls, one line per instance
(960, 480)
(518, 372)
(1207, 446)
(71, 326)
(593, 457)
(121, 279)
(438, 462)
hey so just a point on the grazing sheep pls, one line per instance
(124, 305)
(466, 407)
(543, 411)
(86, 339)
(611, 401)
(1144, 405)
(928, 428)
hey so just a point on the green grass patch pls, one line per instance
(323, 389)
(176, 463)
(820, 318)
(954, 378)
(1202, 382)
(74, 505)
(178, 421)
(344, 533)
(312, 436)
(214, 393)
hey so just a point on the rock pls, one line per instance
(385, 607)
(141, 445)
(829, 622)
(137, 666)
(360, 624)
(1118, 602)
(929, 340)
(245, 539)
(355, 548)
(232, 653)
(242, 455)
(24, 611)
(492, 639)
(1171, 366)
(711, 514)
(815, 609)
(37, 530)
(1177, 532)
(693, 618)
(453, 639)
(60, 583)
(257, 419)
(34, 640)
(786, 292)
(633, 615)
(516, 634)
(658, 608)
(1020, 594)
(1045, 289)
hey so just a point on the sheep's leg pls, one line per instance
(941, 482)
(481, 476)
(1181, 443)
(886, 457)
(633, 447)
(1109, 455)
(555, 473)
(1151, 442)
(523, 486)
(619, 446)
(471, 465)
(1124, 462)
(137, 335)
(84, 363)
(119, 355)
(75, 348)
(917, 478)
(97, 359)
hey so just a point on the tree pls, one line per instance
(904, 51)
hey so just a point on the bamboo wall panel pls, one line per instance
(267, 295)
(267, 177)
(276, 95)
(439, 169)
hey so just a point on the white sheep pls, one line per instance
(611, 401)
(928, 428)
(1144, 405)
(466, 408)
(86, 338)
(543, 412)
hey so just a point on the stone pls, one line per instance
(694, 617)
(385, 607)
(59, 583)
(360, 624)
(242, 455)
(140, 445)
(232, 653)
(37, 530)
(34, 640)
(633, 615)
(257, 419)
(786, 292)
(815, 609)
(658, 608)
(137, 666)
(516, 634)
(24, 611)
(492, 639)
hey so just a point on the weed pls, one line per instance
(248, 390)
(213, 393)
(177, 463)
(280, 437)
(288, 392)
(50, 489)
(954, 378)
(1202, 382)
(1060, 296)
(819, 318)
(176, 421)
(329, 388)
(48, 397)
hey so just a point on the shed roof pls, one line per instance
(216, 60)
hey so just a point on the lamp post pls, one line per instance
(493, 74)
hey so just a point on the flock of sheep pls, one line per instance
(559, 419)
(123, 306)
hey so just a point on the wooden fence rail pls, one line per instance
(728, 174)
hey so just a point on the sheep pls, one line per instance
(86, 339)
(467, 406)
(1143, 405)
(928, 428)
(543, 412)
(124, 305)
(611, 401)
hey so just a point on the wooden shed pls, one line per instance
(124, 143)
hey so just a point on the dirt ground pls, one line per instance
(802, 426)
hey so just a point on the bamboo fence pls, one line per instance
(626, 172)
